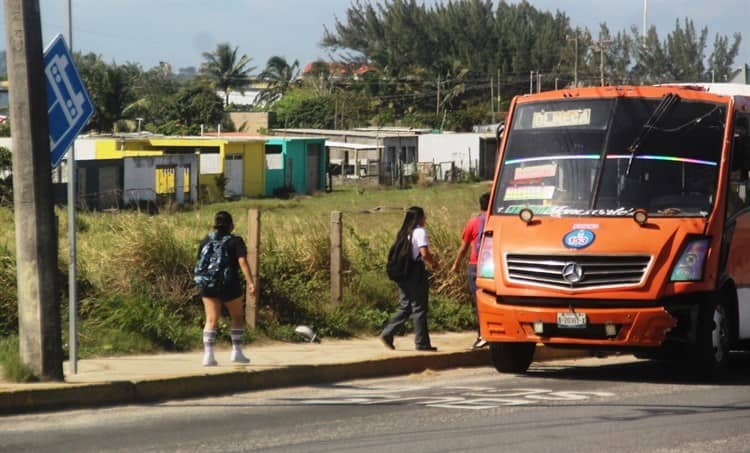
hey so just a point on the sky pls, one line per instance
(179, 31)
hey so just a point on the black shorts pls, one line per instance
(227, 293)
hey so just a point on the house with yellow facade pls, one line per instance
(146, 167)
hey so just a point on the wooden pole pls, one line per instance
(253, 260)
(336, 288)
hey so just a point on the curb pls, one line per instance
(70, 396)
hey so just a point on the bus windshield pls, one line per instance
(609, 157)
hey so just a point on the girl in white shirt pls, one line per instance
(413, 291)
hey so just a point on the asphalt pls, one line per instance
(135, 379)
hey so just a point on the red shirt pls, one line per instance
(471, 231)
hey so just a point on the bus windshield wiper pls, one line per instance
(664, 107)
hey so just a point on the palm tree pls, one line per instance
(279, 75)
(224, 69)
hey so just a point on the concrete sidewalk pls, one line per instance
(147, 378)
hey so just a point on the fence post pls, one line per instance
(253, 260)
(336, 291)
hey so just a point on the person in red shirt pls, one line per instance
(470, 241)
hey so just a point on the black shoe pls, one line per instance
(480, 343)
(427, 348)
(388, 342)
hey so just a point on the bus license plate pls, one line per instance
(571, 320)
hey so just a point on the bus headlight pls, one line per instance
(485, 261)
(689, 268)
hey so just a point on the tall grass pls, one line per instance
(13, 369)
(134, 270)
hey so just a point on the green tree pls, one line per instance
(304, 107)
(110, 88)
(226, 70)
(722, 57)
(681, 56)
(280, 76)
(154, 92)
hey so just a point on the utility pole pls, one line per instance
(499, 98)
(531, 82)
(36, 232)
(575, 60)
(538, 82)
(601, 46)
(645, 13)
(437, 98)
(492, 98)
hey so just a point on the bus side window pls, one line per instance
(737, 196)
(741, 147)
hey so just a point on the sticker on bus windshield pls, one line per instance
(535, 172)
(561, 118)
(529, 193)
(559, 211)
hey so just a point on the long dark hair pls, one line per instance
(223, 223)
(411, 221)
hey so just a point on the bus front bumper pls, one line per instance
(612, 326)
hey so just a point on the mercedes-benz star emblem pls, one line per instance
(572, 272)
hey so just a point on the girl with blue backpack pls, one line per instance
(221, 257)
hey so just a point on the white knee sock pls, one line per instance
(209, 340)
(236, 335)
(237, 355)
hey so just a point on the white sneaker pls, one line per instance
(238, 357)
(209, 360)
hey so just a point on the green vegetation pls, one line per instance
(11, 365)
(442, 65)
(135, 270)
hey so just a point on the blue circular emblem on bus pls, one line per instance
(578, 239)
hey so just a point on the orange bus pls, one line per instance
(619, 219)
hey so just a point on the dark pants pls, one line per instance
(472, 272)
(412, 301)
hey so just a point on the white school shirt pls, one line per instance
(419, 239)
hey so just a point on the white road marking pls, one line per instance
(451, 397)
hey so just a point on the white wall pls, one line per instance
(85, 147)
(461, 148)
(140, 180)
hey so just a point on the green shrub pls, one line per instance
(10, 361)
(8, 295)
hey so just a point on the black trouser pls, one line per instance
(412, 301)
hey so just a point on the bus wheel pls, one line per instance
(712, 348)
(512, 357)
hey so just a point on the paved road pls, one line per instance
(612, 404)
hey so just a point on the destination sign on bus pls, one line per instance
(561, 118)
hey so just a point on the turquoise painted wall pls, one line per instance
(294, 164)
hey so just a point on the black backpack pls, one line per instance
(400, 263)
(212, 269)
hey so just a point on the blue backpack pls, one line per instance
(212, 269)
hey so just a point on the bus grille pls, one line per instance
(577, 271)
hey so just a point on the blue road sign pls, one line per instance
(68, 105)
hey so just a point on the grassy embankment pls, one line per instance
(134, 270)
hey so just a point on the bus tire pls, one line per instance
(713, 338)
(512, 357)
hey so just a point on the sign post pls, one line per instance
(69, 110)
